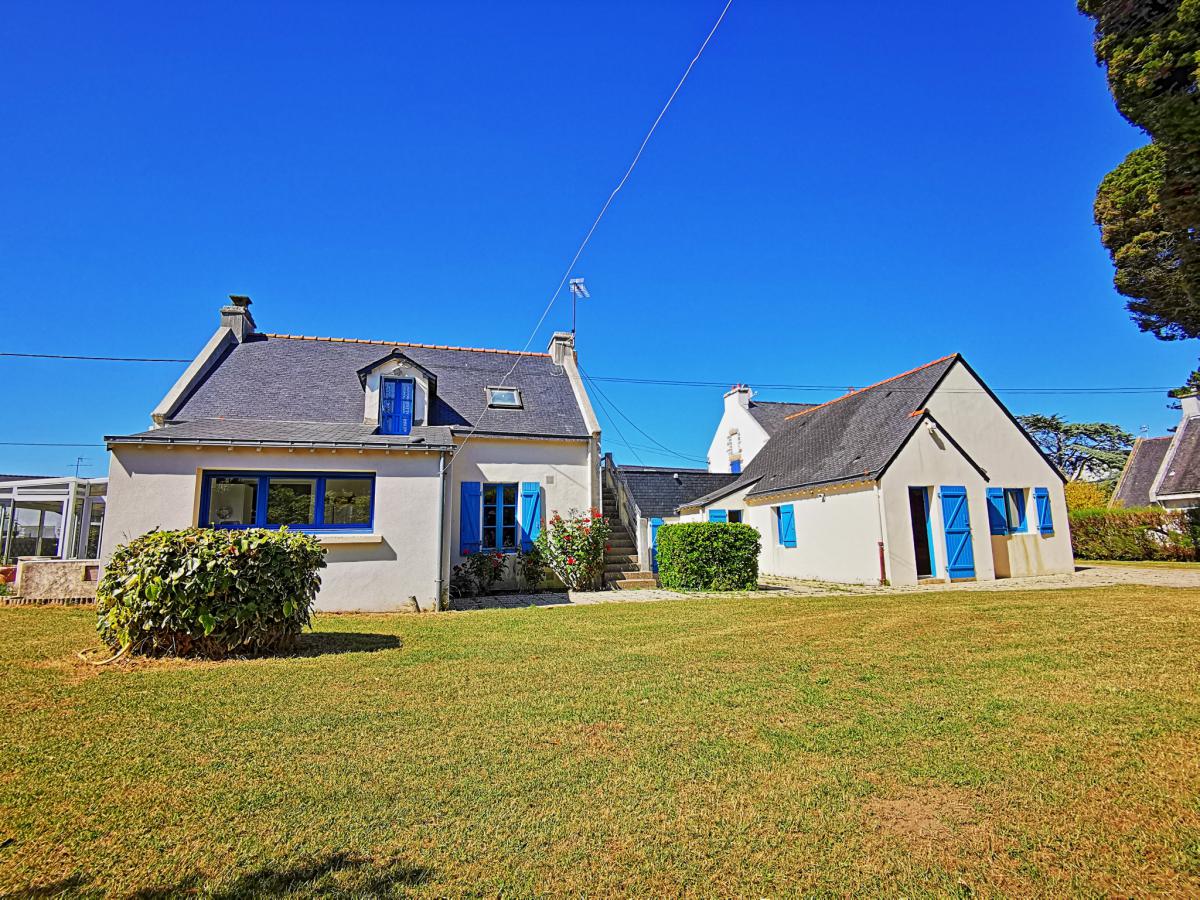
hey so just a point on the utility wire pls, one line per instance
(617, 426)
(637, 427)
(667, 382)
(603, 209)
(43, 444)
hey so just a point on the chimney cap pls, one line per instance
(239, 300)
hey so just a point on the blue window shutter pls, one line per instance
(956, 521)
(1045, 516)
(387, 406)
(735, 466)
(468, 517)
(655, 524)
(404, 404)
(531, 513)
(997, 514)
(787, 526)
(718, 515)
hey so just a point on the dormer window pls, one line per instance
(504, 398)
(396, 405)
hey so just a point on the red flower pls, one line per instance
(570, 560)
(608, 546)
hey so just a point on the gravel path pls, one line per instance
(1085, 576)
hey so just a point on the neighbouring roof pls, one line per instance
(1182, 469)
(659, 491)
(851, 437)
(771, 414)
(1142, 467)
(23, 477)
(273, 379)
(289, 434)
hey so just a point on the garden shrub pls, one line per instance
(573, 546)
(1134, 534)
(477, 574)
(209, 592)
(531, 569)
(708, 556)
(1087, 494)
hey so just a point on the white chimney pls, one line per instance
(237, 316)
(1190, 404)
(739, 396)
(562, 345)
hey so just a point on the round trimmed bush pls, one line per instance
(209, 592)
(708, 556)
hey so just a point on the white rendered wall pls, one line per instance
(570, 463)
(155, 487)
(736, 416)
(837, 537)
(999, 447)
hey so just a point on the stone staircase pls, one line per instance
(621, 563)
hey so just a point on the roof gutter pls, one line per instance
(112, 441)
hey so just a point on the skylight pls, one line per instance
(504, 398)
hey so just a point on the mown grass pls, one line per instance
(1041, 743)
(1145, 564)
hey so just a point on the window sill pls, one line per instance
(327, 539)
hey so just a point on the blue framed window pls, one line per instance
(500, 517)
(396, 401)
(1014, 508)
(303, 501)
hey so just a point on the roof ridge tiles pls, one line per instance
(345, 340)
(870, 387)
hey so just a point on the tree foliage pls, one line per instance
(1145, 248)
(1151, 49)
(1080, 448)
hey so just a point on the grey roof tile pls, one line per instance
(772, 414)
(853, 436)
(1182, 475)
(659, 491)
(290, 379)
(1140, 470)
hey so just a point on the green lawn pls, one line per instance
(1149, 564)
(925, 744)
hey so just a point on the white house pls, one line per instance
(1165, 471)
(403, 458)
(922, 477)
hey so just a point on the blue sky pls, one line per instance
(839, 193)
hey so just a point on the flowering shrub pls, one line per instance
(531, 569)
(477, 574)
(573, 547)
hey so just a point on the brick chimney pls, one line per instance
(237, 317)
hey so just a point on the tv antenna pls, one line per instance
(579, 291)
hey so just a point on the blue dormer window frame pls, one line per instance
(397, 400)
(261, 484)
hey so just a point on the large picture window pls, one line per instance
(307, 501)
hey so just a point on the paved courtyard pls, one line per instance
(1084, 576)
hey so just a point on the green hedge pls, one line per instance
(1135, 534)
(708, 556)
(209, 592)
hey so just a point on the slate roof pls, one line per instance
(851, 437)
(771, 414)
(282, 378)
(1182, 474)
(23, 477)
(1142, 467)
(659, 491)
(287, 434)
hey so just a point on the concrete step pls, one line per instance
(614, 558)
(636, 581)
(619, 571)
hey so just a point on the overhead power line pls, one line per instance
(43, 444)
(138, 359)
(605, 398)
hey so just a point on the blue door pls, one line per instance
(654, 523)
(960, 557)
(396, 406)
